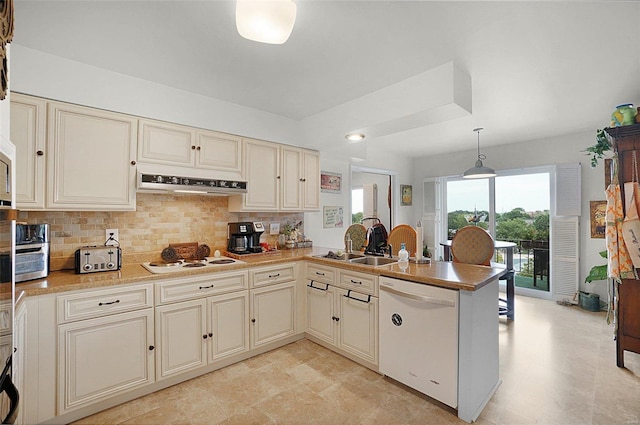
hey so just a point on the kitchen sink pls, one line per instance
(344, 257)
(373, 261)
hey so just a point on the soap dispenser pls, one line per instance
(403, 254)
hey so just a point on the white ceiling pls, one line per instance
(537, 69)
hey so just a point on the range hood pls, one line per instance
(151, 182)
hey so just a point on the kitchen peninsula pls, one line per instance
(62, 312)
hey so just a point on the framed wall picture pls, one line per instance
(332, 217)
(330, 182)
(406, 195)
(597, 212)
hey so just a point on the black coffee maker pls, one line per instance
(244, 237)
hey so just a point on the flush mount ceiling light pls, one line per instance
(266, 21)
(354, 137)
(479, 171)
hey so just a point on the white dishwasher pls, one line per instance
(419, 337)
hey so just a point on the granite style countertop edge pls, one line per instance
(438, 273)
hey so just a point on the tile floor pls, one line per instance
(557, 365)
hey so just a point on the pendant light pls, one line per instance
(265, 21)
(479, 171)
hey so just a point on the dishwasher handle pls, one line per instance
(417, 297)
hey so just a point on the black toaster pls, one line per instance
(90, 259)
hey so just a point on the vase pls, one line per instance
(623, 115)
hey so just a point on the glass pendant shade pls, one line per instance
(479, 171)
(265, 21)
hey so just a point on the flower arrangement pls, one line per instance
(291, 230)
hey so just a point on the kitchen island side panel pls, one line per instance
(478, 352)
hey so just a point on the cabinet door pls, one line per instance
(228, 324)
(358, 333)
(28, 127)
(321, 316)
(261, 165)
(310, 180)
(219, 151)
(291, 179)
(103, 357)
(273, 311)
(89, 165)
(181, 334)
(19, 358)
(165, 143)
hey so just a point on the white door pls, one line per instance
(321, 315)
(28, 132)
(219, 151)
(90, 159)
(103, 357)
(181, 334)
(261, 168)
(358, 323)
(165, 143)
(228, 324)
(273, 311)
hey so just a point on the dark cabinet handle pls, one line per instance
(204, 336)
(355, 281)
(193, 147)
(271, 276)
(151, 348)
(367, 301)
(206, 287)
(210, 334)
(198, 148)
(278, 177)
(133, 163)
(39, 153)
(253, 320)
(109, 303)
(337, 319)
(320, 274)
(310, 285)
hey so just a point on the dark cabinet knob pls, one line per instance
(337, 319)
(39, 153)
(198, 148)
(204, 336)
(253, 320)
(151, 348)
(210, 334)
(193, 147)
(133, 163)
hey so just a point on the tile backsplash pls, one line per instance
(159, 220)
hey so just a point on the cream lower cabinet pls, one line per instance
(344, 317)
(105, 344)
(191, 334)
(20, 357)
(102, 357)
(196, 327)
(273, 303)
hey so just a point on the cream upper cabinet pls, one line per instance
(28, 134)
(90, 160)
(311, 180)
(165, 143)
(182, 146)
(261, 165)
(279, 178)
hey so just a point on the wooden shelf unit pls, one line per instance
(625, 140)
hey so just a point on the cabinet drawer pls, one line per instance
(321, 273)
(362, 282)
(103, 302)
(271, 275)
(202, 286)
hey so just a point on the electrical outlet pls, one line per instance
(274, 228)
(112, 237)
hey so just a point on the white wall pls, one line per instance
(560, 149)
(41, 74)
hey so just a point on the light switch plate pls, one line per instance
(274, 228)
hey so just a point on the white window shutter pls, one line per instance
(565, 265)
(568, 188)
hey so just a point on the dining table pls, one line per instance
(508, 309)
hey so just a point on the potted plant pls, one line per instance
(590, 301)
(598, 150)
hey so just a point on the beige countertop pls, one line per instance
(439, 273)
